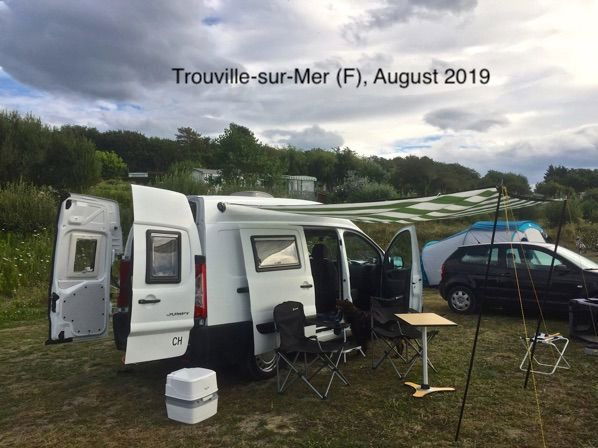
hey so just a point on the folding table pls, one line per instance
(425, 320)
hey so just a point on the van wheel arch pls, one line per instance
(260, 367)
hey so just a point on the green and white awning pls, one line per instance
(408, 211)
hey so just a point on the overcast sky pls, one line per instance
(108, 64)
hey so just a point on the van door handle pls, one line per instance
(243, 289)
(307, 285)
(144, 301)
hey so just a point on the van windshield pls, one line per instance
(577, 259)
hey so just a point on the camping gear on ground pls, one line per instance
(591, 349)
(435, 253)
(191, 395)
(423, 321)
(289, 320)
(551, 342)
(386, 327)
(583, 319)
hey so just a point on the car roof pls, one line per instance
(513, 243)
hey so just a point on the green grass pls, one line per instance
(24, 261)
(80, 395)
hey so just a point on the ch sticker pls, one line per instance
(177, 340)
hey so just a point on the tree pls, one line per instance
(193, 146)
(242, 156)
(113, 166)
(70, 162)
(516, 184)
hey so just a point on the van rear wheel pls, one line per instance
(261, 367)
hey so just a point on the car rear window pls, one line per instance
(479, 255)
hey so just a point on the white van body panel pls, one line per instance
(417, 284)
(88, 238)
(162, 306)
(219, 232)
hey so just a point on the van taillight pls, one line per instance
(124, 293)
(201, 298)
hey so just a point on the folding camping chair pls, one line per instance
(552, 342)
(386, 327)
(289, 319)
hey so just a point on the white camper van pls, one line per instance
(202, 274)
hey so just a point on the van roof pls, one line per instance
(254, 200)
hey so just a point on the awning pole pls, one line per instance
(546, 292)
(477, 330)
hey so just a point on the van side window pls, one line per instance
(359, 250)
(272, 253)
(479, 255)
(84, 259)
(163, 260)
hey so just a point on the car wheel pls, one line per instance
(461, 300)
(261, 367)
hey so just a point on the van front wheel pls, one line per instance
(261, 367)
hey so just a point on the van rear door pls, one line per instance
(401, 269)
(88, 237)
(165, 246)
(278, 269)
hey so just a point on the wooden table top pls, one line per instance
(425, 320)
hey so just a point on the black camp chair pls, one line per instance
(289, 320)
(386, 327)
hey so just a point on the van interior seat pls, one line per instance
(326, 280)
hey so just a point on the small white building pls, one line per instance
(205, 174)
(297, 186)
(301, 185)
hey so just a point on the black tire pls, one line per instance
(461, 300)
(260, 367)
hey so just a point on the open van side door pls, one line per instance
(165, 246)
(278, 269)
(88, 237)
(401, 269)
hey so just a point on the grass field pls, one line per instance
(80, 395)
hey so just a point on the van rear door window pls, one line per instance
(163, 263)
(272, 253)
(84, 261)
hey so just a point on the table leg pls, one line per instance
(421, 390)
(425, 384)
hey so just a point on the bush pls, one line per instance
(26, 208)
(25, 260)
(553, 212)
(182, 181)
(359, 189)
(113, 166)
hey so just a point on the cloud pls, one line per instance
(575, 148)
(464, 120)
(308, 138)
(109, 49)
(400, 11)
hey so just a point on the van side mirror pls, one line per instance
(561, 269)
(396, 261)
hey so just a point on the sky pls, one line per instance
(108, 65)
